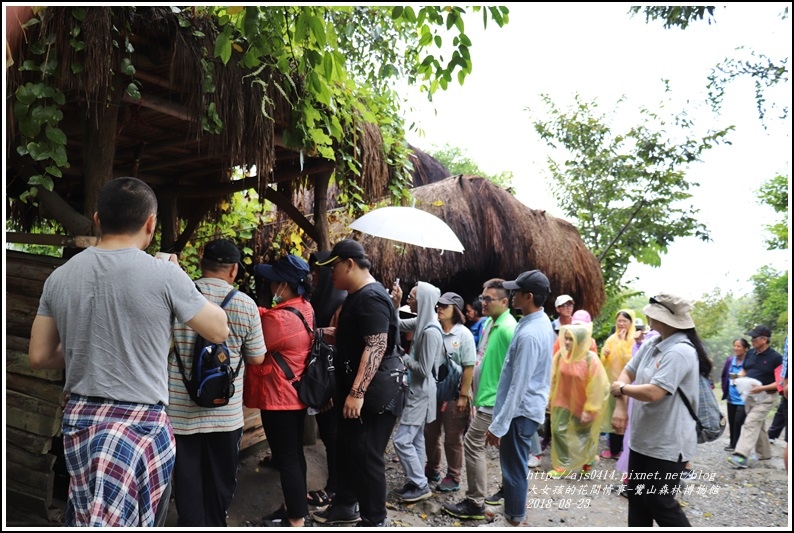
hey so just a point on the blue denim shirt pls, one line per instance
(526, 375)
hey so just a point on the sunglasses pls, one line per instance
(441, 306)
(487, 299)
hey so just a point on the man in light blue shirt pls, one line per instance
(523, 390)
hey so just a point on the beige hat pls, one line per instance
(670, 309)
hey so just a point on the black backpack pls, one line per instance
(211, 383)
(318, 383)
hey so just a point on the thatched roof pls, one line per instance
(159, 137)
(427, 169)
(502, 237)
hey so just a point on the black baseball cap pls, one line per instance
(345, 249)
(759, 331)
(533, 281)
(222, 251)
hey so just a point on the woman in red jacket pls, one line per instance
(267, 387)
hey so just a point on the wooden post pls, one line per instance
(99, 148)
(321, 210)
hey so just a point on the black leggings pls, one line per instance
(284, 430)
(736, 416)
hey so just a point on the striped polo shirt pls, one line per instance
(245, 338)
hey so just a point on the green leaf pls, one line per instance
(79, 13)
(223, 48)
(183, 22)
(30, 22)
(302, 25)
(55, 171)
(77, 45)
(438, 41)
(318, 30)
(29, 65)
(20, 109)
(59, 97)
(77, 68)
(42, 180)
(55, 134)
(328, 65)
(25, 95)
(127, 67)
(396, 12)
(39, 151)
(132, 91)
(29, 127)
(59, 156)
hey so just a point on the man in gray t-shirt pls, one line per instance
(106, 317)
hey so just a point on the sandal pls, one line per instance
(319, 498)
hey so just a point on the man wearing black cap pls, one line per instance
(759, 363)
(208, 439)
(523, 390)
(367, 330)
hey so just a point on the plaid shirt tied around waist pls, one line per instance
(119, 457)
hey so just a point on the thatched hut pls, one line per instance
(502, 238)
(133, 91)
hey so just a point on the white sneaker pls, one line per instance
(534, 461)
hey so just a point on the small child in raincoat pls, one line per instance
(578, 396)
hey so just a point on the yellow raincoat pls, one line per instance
(578, 395)
(618, 353)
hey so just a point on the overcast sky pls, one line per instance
(600, 52)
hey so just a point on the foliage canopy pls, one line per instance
(627, 190)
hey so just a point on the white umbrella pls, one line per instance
(409, 225)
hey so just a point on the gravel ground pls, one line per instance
(722, 496)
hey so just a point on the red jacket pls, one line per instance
(266, 387)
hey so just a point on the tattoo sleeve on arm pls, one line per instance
(374, 350)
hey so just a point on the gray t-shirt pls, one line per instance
(114, 311)
(664, 429)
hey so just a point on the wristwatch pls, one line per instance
(621, 389)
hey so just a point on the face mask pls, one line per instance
(277, 298)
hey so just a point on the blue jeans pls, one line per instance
(514, 451)
(409, 443)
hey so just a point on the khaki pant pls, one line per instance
(476, 466)
(454, 424)
(753, 434)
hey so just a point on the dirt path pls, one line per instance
(722, 497)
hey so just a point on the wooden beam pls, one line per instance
(285, 205)
(213, 190)
(160, 105)
(218, 190)
(72, 241)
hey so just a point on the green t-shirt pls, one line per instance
(495, 352)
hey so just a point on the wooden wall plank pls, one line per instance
(22, 286)
(24, 479)
(34, 461)
(31, 442)
(47, 391)
(46, 426)
(20, 500)
(19, 344)
(19, 363)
